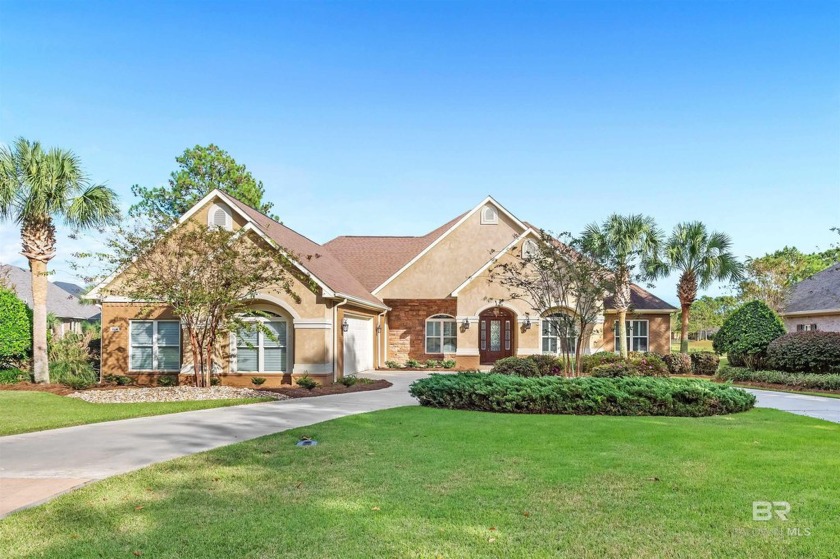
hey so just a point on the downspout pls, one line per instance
(381, 345)
(335, 338)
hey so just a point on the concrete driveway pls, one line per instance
(801, 404)
(35, 467)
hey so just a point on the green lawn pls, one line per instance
(21, 412)
(699, 345)
(419, 482)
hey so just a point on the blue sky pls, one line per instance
(392, 118)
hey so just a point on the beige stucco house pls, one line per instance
(375, 299)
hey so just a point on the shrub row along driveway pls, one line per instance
(37, 466)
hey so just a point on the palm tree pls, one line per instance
(629, 246)
(701, 258)
(35, 187)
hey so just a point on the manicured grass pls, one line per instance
(699, 345)
(419, 482)
(22, 412)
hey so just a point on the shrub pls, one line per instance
(172, 381)
(348, 380)
(704, 363)
(393, 365)
(432, 364)
(613, 370)
(121, 380)
(581, 396)
(13, 376)
(70, 361)
(516, 366)
(678, 363)
(448, 363)
(808, 352)
(747, 333)
(818, 381)
(589, 362)
(547, 364)
(412, 364)
(307, 382)
(15, 327)
(258, 381)
(649, 365)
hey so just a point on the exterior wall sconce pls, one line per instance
(378, 329)
(527, 321)
(345, 326)
(466, 324)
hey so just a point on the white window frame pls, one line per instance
(155, 367)
(571, 340)
(806, 327)
(260, 347)
(530, 246)
(630, 336)
(489, 220)
(441, 318)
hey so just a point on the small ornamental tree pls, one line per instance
(746, 334)
(15, 327)
(208, 276)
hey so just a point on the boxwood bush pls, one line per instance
(589, 362)
(678, 363)
(808, 352)
(819, 381)
(704, 363)
(580, 396)
(517, 366)
(747, 332)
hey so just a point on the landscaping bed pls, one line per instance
(132, 395)
(337, 388)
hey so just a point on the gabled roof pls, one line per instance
(375, 259)
(61, 303)
(642, 300)
(820, 292)
(314, 258)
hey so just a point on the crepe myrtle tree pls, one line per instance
(629, 246)
(37, 188)
(554, 273)
(208, 276)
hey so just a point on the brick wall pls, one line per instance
(659, 336)
(407, 326)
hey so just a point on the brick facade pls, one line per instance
(659, 335)
(407, 326)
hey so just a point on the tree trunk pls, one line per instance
(686, 309)
(40, 361)
(622, 332)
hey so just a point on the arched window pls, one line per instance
(559, 334)
(530, 249)
(219, 216)
(262, 351)
(441, 334)
(489, 215)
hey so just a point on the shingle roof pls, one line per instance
(317, 259)
(644, 300)
(375, 259)
(59, 302)
(819, 292)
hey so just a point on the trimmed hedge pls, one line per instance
(678, 363)
(613, 370)
(15, 327)
(517, 366)
(747, 332)
(580, 396)
(704, 363)
(547, 364)
(647, 365)
(806, 352)
(819, 381)
(589, 362)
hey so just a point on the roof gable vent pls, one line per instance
(219, 217)
(489, 215)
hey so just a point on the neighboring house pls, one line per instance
(814, 303)
(69, 311)
(377, 299)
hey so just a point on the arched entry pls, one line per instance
(496, 328)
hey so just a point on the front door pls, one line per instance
(495, 331)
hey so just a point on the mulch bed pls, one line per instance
(296, 392)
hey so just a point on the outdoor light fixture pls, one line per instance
(497, 307)
(466, 324)
(345, 326)
(378, 329)
(527, 321)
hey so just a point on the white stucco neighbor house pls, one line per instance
(814, 303)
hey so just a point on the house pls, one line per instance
(814, 303)
(65, 306)
(375, 299)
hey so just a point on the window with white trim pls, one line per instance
(637, 335)
(441, 334)
(805, 327)
(155, 345)
(257, 352)
(530, 249)
(489, 215)
(558, 334)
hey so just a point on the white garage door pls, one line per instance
(358, 345)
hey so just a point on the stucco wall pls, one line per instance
(659, 333)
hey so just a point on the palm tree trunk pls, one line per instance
(622, 332)
(686, 309)
(40, 362)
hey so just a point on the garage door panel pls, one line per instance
(358, 345)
